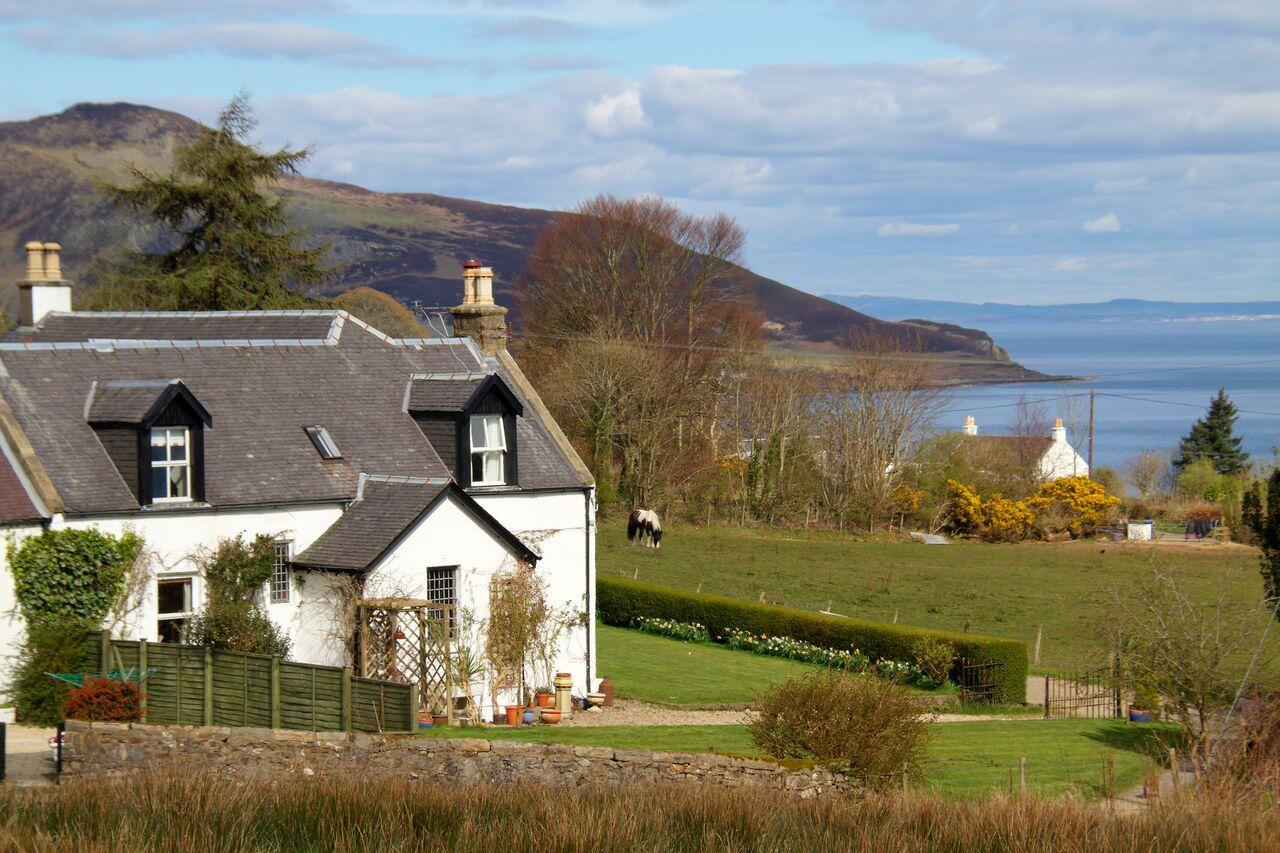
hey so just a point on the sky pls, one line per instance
(1031, 151)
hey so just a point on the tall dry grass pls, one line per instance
(182, 812)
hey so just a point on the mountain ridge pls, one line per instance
(404, 243)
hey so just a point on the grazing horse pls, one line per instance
(644, 523)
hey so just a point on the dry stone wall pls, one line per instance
(104, 750)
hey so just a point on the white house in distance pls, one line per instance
(418, 467)
(1052, 456)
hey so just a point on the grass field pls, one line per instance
(669, 672)
(1007, 590)
(965, 759)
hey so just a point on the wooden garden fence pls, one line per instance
(199, 685)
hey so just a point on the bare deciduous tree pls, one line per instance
(871, 426)
(1149, 473)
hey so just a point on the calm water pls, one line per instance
(1139, 360)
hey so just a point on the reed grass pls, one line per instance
(184, 811)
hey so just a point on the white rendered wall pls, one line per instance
(553, 524)
(1061, 460)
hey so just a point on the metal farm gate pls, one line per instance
(980, 683)
(1091, 694)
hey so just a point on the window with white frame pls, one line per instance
(442, 588)
(281, 572)
(488, 451)
(170, 464)
(174, 607)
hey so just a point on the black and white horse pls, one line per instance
(644, 523)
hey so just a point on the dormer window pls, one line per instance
(153, 430)
(170, 464)
(488, 451)
(470, 420)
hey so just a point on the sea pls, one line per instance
(1151, 380)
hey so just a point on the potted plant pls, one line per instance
(544, 697)
(513, 714)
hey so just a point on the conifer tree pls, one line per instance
(231, 244)
(1262, 515)
(1212, 437)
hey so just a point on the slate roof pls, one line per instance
(124, 402)
(387, 509)
(15, 505)
(260, 397)
(446, 392)
(182, 325)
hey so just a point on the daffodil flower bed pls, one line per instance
(852, 660)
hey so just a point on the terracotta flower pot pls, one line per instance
(513, 715)
(550, 715)
(544, 700)
(440, 719)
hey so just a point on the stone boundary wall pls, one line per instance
(106, 750)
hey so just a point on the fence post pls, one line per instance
(2, 746)
(178, 713)
(346, 699)
(208, 685)
(275, 692)
(142, 680)
(1173, 766)
(104, 649)
(1039, 634)
(1022, 775)
(1046, 695)
(413, 707)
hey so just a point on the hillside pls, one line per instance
(407, 244)
(1111, 311)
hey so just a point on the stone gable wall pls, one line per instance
(104, 750)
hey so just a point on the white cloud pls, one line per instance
(1070, 265)
(1106, 224)
(613, 115)
(916, 229)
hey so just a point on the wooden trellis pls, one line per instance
(410, 641)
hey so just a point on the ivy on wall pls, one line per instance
(66, 582)
(71, 574)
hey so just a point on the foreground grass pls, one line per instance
(965, 759)
(184, 811)
(1006, 590)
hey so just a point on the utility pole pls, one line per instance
(1091, 432)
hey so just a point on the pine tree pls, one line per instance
(1263, 519)
(232, 245)
(1212, 438)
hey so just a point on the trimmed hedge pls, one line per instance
(619, 601)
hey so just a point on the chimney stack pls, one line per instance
(44, 290)
(970, 426)
(1059, 432)
(478, 317)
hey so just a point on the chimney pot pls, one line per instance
(478, 317)
(471, 264)
(53, 261)
(35, 260)
(970, 426)
(43, 291)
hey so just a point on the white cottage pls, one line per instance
(1050, 457)
(420, 467)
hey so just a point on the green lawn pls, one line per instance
(1007, 590)
(665, 671)
(965, 759)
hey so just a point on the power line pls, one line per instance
(1179, 403)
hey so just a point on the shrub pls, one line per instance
(935, 658)
(1005, 520)
(865, 728)
(1084, 503)
(238, 626)
(70, 574)
(232, 618)
(103, 700)
(619, 600)
(47, 647)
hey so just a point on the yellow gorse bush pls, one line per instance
(1077, 505)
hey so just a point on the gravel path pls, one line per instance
(629, 712)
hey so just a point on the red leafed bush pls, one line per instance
(103, 700)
